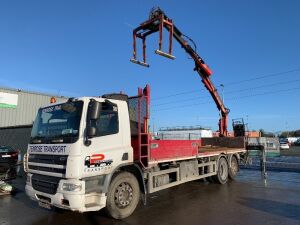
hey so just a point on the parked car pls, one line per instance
(297, 143)
(284, 145)
(8, 156)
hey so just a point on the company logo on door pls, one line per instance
(97, 162)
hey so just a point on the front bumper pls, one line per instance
(75, 201)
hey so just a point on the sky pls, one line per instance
(82, 48)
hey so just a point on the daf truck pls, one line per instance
(91, 153)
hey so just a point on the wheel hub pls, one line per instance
(123, 195)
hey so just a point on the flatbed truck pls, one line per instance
(91, 153)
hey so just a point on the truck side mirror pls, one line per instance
(91, 131)
(94, 109)
(93, 114)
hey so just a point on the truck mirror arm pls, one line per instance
(87, 141)
(90, 132)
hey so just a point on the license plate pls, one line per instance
(45, 205)
(6, 156)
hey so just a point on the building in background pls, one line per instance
(18, 109)
(184, 133)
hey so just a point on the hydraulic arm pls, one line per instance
(156, 23)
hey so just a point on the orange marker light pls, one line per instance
(52, 100)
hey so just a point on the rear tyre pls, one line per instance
(234, 168)
(123, 196)
(222, 173)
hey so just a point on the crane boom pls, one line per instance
(156, 22)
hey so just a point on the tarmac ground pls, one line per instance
(247, 200)
(293, 151)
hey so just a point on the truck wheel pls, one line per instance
(222, 173)
(123, 196)
(234, 168)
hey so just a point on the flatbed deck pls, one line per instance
(217, 150)
(170, 150)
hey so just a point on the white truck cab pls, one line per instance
(74, 148)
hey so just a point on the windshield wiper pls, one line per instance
(37, 139)
(68, 135)
(57, 140)
(60, 138)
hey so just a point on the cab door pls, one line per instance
(106, 147)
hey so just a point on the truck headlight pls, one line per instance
(25, 163)
(71, 187)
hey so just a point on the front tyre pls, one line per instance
(123, 195)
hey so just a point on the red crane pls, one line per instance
(156, 22)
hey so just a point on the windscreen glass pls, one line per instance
(59, 121)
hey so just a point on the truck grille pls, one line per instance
(45, 184)
(48, 159)
(47, 169)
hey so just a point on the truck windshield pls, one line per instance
(57, 124)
